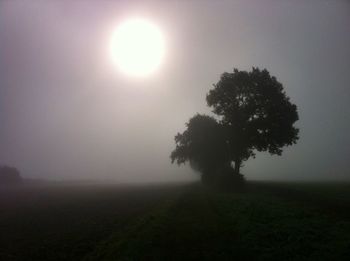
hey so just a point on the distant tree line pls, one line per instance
(252, 113)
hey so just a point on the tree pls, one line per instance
(203, 144)
(9, 175)
(254, 114)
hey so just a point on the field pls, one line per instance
(266, 221)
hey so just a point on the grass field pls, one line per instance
(266, 221)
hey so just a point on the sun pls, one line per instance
(137, 47)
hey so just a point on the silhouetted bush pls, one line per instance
(9, 175)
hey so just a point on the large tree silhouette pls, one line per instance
(254, 114)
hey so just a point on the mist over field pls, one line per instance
(174, 130)
(66, 112)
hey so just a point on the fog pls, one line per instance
(66, 112)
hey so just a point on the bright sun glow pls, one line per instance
(137, 47)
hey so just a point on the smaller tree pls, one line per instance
(203, 145)
(9, 175)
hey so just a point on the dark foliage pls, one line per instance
(9, 175)
(254, 115)
(202, 144)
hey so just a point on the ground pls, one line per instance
(266, 221)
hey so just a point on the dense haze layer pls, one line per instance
(66, 112)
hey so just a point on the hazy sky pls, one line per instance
(67, 112)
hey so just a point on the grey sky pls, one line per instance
(66, 112)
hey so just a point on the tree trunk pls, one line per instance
(237, 166)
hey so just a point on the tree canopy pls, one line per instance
(253, 114)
